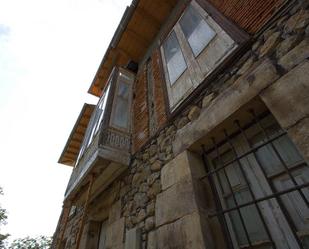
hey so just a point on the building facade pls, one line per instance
(200, 138)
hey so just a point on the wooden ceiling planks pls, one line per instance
(143, 26)
(71, 149)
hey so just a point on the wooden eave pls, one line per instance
(138, 27)
(71, 149)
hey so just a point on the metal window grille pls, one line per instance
(212, 174)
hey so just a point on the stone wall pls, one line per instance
(160, 200)
(155, 197)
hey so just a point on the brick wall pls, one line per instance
(141, 117)
(160, 105)
(140, 131)
(249, 15)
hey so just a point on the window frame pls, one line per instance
(239, 36)
(258, 182)
(129, 80)
(182, 53)
(98, 122)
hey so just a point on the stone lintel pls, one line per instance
(229, 101)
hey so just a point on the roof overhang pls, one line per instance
(71, 149)
(138, 27)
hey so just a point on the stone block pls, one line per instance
(207, 100)
(175, 202)
(226, 103)
(141, 215)
(149, 223)
(286, 45)
(140, 200)
(133, 239)
(150, 210)
(297, 21)
(194, 113)
(246, 66)
(270, 44)
(115, 234)
(184, 166)
(174, 171)
(154, 189)
(295, 56)
(156, 166)
(115, 212)
(152, 240)
(300, 136)
(182, 122)
(185, 233)
(288, 97)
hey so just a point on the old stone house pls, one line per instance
(200, 138)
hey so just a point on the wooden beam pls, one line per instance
(70, 158)
(74, 147)
(81, 228)
(70, 153)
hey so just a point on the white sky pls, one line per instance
(49, 53)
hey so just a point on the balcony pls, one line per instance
(104, 142)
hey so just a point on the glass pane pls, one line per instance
(101, 109)
(121, 116)
(287, 150)
(293, 201)
(175, 61)
(121, 113)
(196, 30)
(251, 219)
(268, 157)
(232, 171)
(123, 90)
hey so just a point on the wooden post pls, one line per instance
(81, 227)
(67, 208)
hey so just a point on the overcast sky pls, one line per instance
(49, 53)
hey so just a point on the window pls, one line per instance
(116, 114)
(121, 109)
(94, 122)
(194, 48)
(261, 183)
(120, 117)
